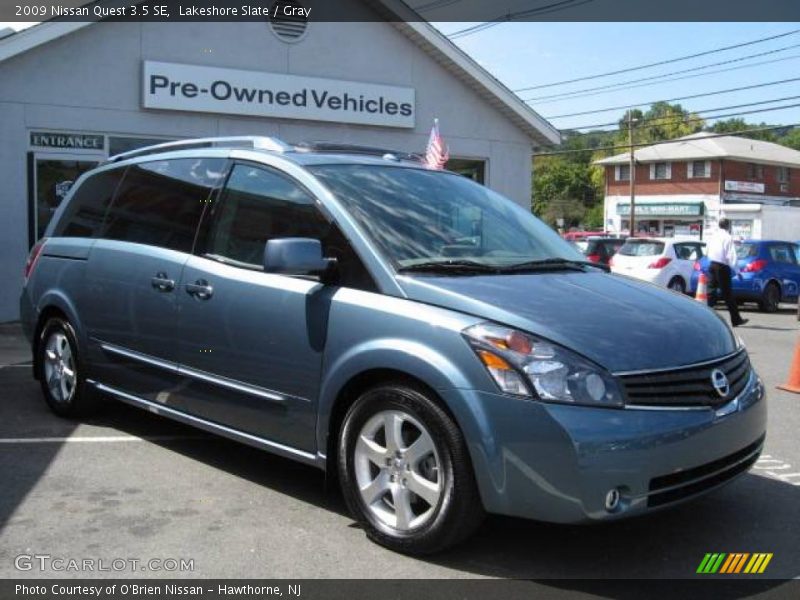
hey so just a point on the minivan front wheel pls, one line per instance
(60, 371)
(405, 471)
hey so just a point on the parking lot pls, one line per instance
(129, 485)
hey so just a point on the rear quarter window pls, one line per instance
(160, 203)
(642, 248)
(83, 216)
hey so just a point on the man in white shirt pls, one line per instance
(722, 254)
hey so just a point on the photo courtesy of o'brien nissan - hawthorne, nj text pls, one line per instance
(399, 299)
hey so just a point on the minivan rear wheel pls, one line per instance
(405, 471)
(60, 371)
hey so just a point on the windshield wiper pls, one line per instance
(449, 266)
(553, 264)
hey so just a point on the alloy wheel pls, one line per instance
(397, 469)
(59, 368)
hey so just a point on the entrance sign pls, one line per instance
(171, 86)
(72, 141)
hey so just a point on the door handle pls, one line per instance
(162, 282)
(200, 289)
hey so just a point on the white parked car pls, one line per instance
(664, 261)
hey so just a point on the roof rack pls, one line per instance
(255, 142)
(334, 148)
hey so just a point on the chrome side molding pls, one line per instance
(231, 384)
(315, 459)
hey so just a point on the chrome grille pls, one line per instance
(688, 386)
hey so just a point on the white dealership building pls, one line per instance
(72, 94)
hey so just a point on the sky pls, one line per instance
(529, 54)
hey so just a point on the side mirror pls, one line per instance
(296, 256)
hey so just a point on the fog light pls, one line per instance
(612, 499)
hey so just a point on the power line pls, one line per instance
(666, 119)
(572, 95)
(541, 10)
(660, 143)
(662, 62)
(434, 5)
(664, 75)
(714, 93)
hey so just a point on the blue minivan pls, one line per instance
(432, 345)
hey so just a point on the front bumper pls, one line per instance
(557, 463)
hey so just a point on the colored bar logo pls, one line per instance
(733, 563)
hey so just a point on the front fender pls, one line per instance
(425, 364)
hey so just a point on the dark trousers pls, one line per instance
(721, 280)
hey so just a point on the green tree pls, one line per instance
(735, 125)
(662, 121)
(791, 139)
(560, 185)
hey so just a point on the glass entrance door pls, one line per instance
(52, 177)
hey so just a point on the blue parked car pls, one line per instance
(768, 273)
(431, 345)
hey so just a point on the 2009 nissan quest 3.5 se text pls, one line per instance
(430, 343)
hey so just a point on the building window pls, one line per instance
(699, 169)
(783, 174)
(472, 169)
(755, 171)
(622, 172)
(661, 170)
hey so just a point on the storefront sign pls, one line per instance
(171, 86)
(742, 229)
(74, 141)
(662, 210)
(744, 186)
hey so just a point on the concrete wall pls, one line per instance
(780, 223)
(90, 82)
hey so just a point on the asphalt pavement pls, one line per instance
(127, 484)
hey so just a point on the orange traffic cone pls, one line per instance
(702, 288)
(793, 385)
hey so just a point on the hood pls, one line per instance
(620, 323)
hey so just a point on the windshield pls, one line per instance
(417, 217)
(642, 248)
(582, 246)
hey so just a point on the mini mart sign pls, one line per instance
(171, 86)
(693, 209)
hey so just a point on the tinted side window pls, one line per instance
(782, 253)
(160, 203)
(258, 205)
(84, 215)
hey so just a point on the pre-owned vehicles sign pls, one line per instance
(196, 88)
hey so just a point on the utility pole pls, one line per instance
(632, 176)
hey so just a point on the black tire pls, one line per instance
(771, 298)
(458, 511)
(80, 399)
(676, 284)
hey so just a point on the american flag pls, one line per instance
(437, 153)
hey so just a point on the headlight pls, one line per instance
(524, 365)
